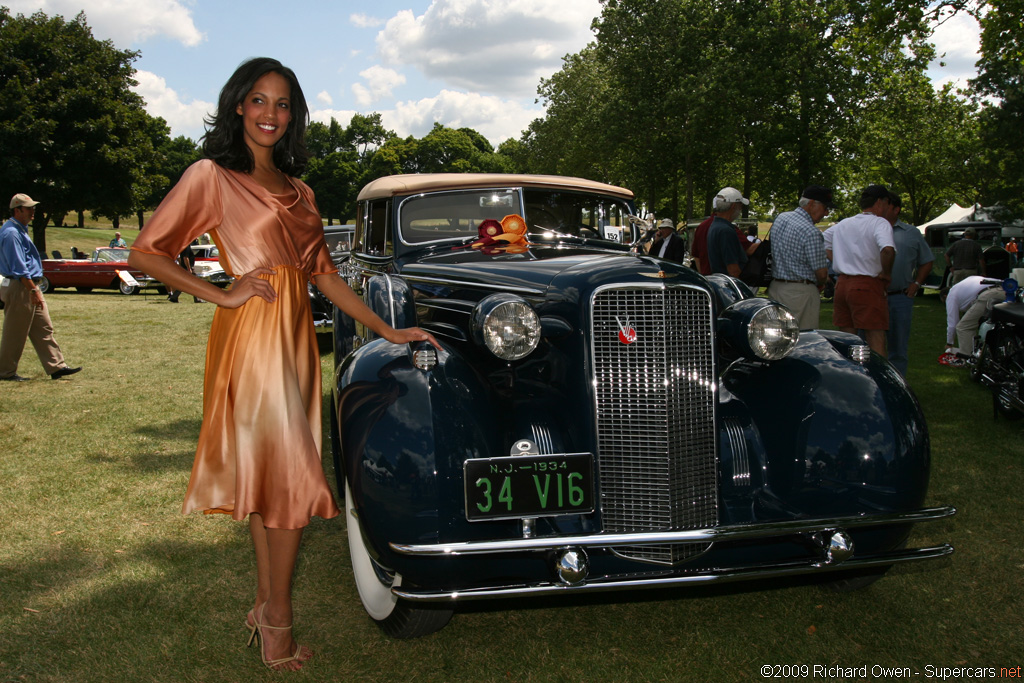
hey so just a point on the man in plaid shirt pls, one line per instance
(799, 268)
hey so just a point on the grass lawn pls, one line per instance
(102, 579)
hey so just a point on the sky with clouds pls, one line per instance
(463, 63)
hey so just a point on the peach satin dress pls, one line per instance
(259, 445)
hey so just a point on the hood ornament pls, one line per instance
(660, 275)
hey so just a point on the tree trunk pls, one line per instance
(747, 170)
(687, 163)
(117, 222)
(142, 221)
(81, 218)
(39, 232)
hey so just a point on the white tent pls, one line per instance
(954, 214)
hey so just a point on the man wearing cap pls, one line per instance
(725, 249)
(910, 268)
(118, 242)
(963, 257)
(667, 244)
(861, 249)
(25, 312)
(799, 268)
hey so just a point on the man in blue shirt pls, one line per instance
(25, 312)
(910, 269)
(725, 252)
(799, 267)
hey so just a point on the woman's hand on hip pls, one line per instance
(249, 285)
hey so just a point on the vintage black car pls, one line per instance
(598, 419)
(339, 242)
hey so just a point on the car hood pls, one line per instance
(535, 270)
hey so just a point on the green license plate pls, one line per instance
(529, 486)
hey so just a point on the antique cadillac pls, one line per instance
(598, 419)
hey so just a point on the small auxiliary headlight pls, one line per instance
(507, 326)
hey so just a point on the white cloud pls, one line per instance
(361, 20)
(380, 84)
(125, 22)
(495, 46)
(957, 43)
(183, 118)
(494, 118)
(324, 97)
(342, 116)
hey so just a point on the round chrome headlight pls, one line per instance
(759, 329)
(507, 326)
(772, 332)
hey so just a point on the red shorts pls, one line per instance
(860, 303)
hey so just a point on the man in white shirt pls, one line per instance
(862, 252)
(966, 303)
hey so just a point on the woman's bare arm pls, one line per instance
(342, 296)
(174, 276)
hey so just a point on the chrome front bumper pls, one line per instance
(816, 528)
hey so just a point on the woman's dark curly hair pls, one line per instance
(224, 141)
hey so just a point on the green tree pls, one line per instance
(365, 134)
(73, 133)
(323, 139)
(677, 98)
(920, 143)
(1001, 80)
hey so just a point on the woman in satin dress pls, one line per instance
(258, 455)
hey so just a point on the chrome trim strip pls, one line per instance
(474, 284)
(740, 453)
(717, 534)
(391, 299)
(606, 584)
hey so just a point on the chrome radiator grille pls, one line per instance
(654, 380)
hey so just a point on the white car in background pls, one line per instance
(208, 266)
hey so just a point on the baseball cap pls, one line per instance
(819, 193)
(22, 200)
(730, 195)
(875, 192)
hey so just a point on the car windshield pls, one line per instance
(577, 214)
(109, 255)
(339, 243)
(548, 214)
(206, 250)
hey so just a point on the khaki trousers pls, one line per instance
(803, 300)
(24, 320)
(970, 321)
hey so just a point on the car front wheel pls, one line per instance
(127, 288)
(43, 285)
(396, 617)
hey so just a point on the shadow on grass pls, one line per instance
(148, 463)
(186, 429)
(144, 614)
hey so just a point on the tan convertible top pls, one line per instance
(414, 183)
